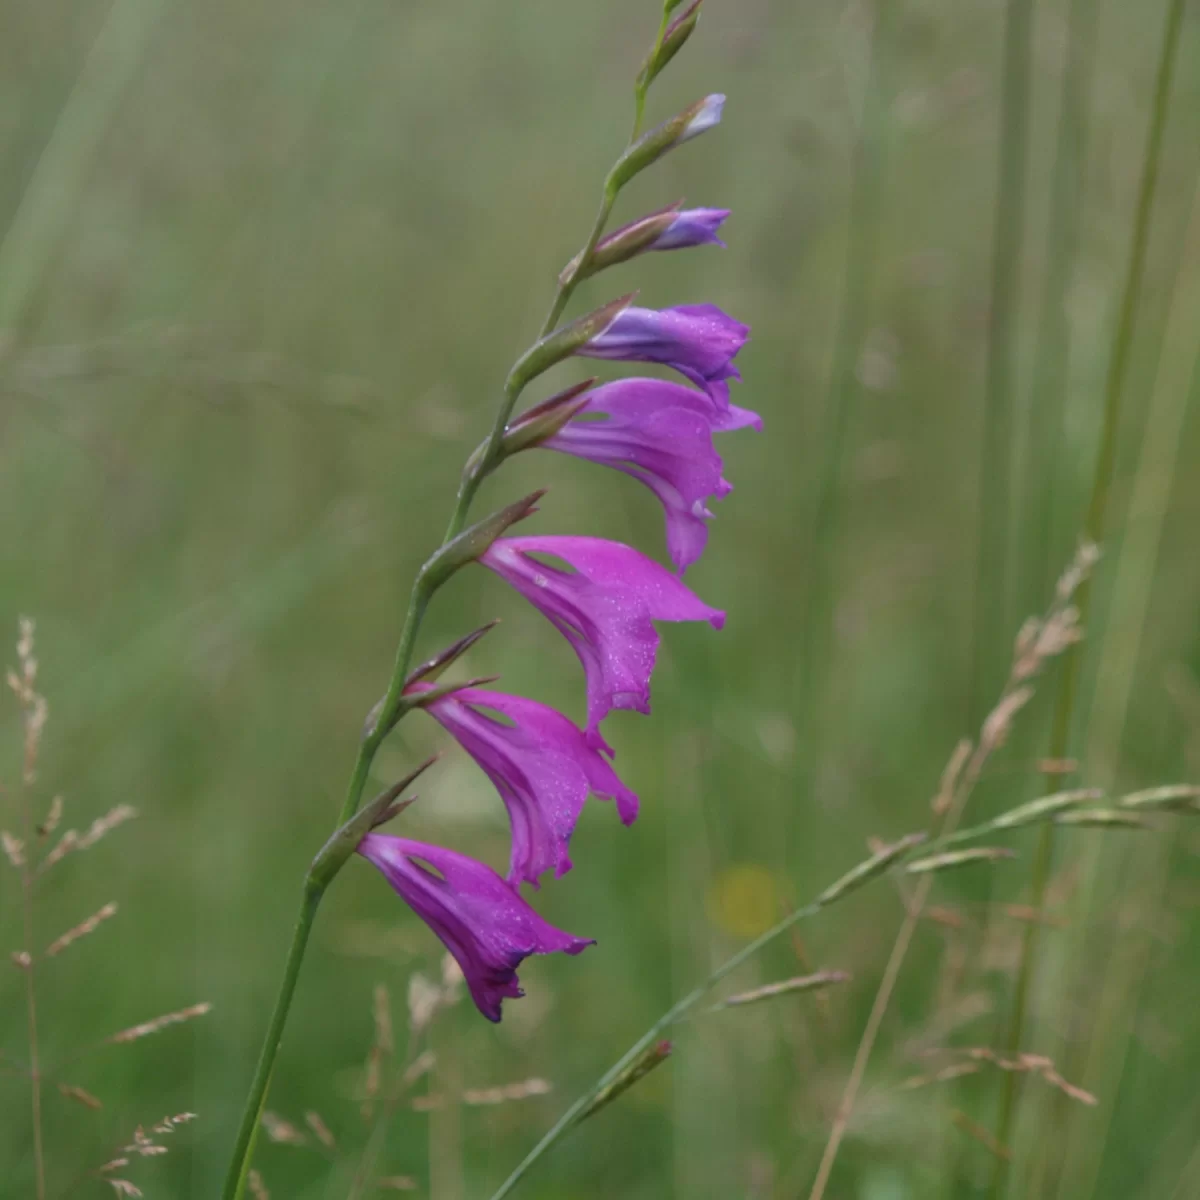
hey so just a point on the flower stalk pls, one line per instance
(467, 892)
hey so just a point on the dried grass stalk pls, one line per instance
(147, 1028)
(80, 1096)
(81, 930)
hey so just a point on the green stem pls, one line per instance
(643, 85)
(239, 1167)
(992, 582)
(813, 657)
(566, 287)
(1052, 357)
(1094, 530)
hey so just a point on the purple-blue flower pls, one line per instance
(605, 606)
(697, 340)
(692, 227)
(707, 115)
(662, 434)
(484, 923)
(543, 766)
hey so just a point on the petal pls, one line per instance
(606, 609)
(484, 923)
(708, 115)
(661, 434)
(693, 227)
(543, 767)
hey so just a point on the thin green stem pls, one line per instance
(992, 583)
(239, 1167)
(566, 286)
(35, 1072)
(1052, 356)
(1094, 530)
(862, 229)
(643, 84)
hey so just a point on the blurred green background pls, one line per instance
(265, 267)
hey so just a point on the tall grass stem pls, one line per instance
(816, 628)
(1094, 530)
(993, 583)
(61, 172)
(1045, 431)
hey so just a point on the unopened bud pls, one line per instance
(673, 228)
(676, 34)
(535, 425)
(564, 342)
(623, 244)
(472, 542)
(652, 145)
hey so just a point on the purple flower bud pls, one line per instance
(543, 767)
(692, 227)
(706, 115)
(651, 146)
(671, 228)
(605, 606)
(485, 924)
(662, 434)
(697, 340)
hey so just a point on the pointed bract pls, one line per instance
(605, 606)
(662, 434)
(484, 923)
(697, 340)
(544, 768)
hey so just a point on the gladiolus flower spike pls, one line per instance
(604, 597)
(482, 921)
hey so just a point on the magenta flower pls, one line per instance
(662, 434)
(605, 606)
(483, 922)
(697, 340)
(543, 767)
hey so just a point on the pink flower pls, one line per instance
(605, 606)
(543, 767)
(662, 434)
(484, 923)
